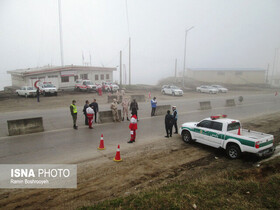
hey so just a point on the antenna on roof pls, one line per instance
(60, 32)
(83, 58)
(89, 58)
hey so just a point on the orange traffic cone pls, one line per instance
(101, 146)
(239, 133)
(118, 155)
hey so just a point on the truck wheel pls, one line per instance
(186, 137)
(173, 94)
(233, 151)
(25, 95)
(44, 93)
(55, 93)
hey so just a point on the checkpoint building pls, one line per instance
(236, 76)
(61, 76)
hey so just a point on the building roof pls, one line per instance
(53, 69)
(226, 69)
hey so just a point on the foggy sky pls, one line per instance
(227, 34)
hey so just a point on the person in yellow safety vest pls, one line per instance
(74, 112)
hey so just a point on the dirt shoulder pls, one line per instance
(16, 103)
(145, 167)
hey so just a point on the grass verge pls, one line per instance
(253, 188)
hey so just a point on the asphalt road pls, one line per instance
(62, 144)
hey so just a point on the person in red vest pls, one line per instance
(133, 128)
(90, 114)
(100, 91)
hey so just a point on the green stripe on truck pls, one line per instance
(223, 137)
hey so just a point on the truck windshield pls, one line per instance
(89, 83)
(233, 126)
(48, 85)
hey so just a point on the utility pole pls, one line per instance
(185, 55)
(129, 64)
(274, 64)
(120, 68)
(60, 32)
(125, 79)
(266, 78)
(176, 68)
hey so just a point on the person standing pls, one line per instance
(90, 113)
(99, 89)
(134, 108)
(38, 94)
(95, 108)
(125, 104)
(175, 117)
(85, 111)
(168, 124)
(114, 108)
(133, 128)
(122, 92)
(154, 106)
(118, 95)
(74, 112)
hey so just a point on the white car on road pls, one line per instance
(220, 88)
(27, 91)
(172, 90)
(207, 89)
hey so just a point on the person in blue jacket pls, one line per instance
(154, 106)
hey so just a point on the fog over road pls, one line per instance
(62, 144)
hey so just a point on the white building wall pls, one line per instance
(17, 81)
(55, 78)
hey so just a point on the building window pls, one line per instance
(76, 77)
(83, 76)
(96, 77)
(238, 73)
(64, 79)
(102, 76)
(41, 77)
(220, 73)
(107, 76)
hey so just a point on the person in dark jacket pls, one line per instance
(85, 112)
(175, 117)
(38, 94)
(168, 124)
(134, 108)
(95, 108)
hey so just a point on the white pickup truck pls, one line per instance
(222, 132)
(47, 89)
